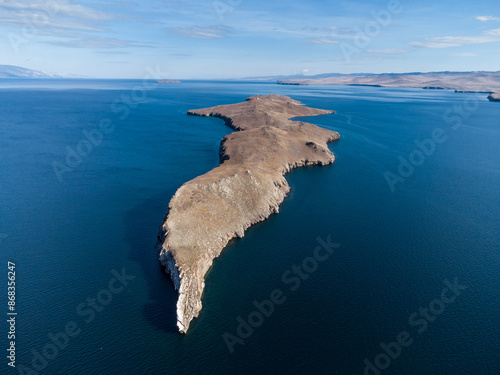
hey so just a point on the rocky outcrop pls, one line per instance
(364, 84)
(495, 97)
(291, 83)
(247, 187)
(168, 81)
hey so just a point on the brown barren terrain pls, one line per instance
(247, 187)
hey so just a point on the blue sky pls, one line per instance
(191, 39)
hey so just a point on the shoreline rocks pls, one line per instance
(494, 97)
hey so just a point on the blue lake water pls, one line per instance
(68, 231)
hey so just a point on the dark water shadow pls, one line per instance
(142, 224)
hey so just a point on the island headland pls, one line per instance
(246, 188)
(494, 97)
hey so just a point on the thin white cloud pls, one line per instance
(64, 23)
(330, 29)
(489, 36)
(388, 51)
(463, 54)
(50, 16)
(97, 42)
(322, 41)
(487, 18)
(50, 26)
(106, 52)
(327, 34)
(52, 9)
(211, 32)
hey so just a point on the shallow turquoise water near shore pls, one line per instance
(396, 248)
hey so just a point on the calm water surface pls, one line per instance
(67, 234)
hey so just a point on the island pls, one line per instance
(435, 88)
(364, 84)
(292, 83)
(473, 92)
(494, 97)
(168, 81)
(246, 188)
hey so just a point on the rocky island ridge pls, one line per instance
(246, 188)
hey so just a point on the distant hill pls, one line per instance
(284, 77)
(460, 81)
(12, 71)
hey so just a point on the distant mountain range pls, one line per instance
(479, 82)
(483, 82)
(298, 76)
(460, 81)
(12, 71)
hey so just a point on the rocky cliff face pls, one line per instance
(495, 97)
(247, 187)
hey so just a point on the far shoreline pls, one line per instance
(460, 82)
